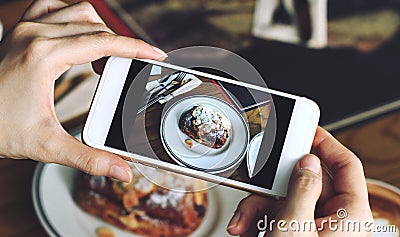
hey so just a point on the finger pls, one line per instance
(58, 30)
(90, 47)
(346, 167)
(327, 190)
(66, 150)
(39, 8)
(79, 12)
(304, 189)
(329, 149)
(250, 214)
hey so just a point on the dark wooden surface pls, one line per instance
(376, 142)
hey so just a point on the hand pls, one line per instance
(312, 195)
(49, 39)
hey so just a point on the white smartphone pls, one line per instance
(199, 124)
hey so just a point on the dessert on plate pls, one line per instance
(141, 206)
(205, 126)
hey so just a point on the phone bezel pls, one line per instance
(303, 123)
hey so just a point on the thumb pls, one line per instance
(304, 189)
(66, 150)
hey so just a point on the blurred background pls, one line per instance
(344, 54)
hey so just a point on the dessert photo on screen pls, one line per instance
(196, 122)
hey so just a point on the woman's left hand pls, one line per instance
(49, 39)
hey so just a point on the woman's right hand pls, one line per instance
(313, 196)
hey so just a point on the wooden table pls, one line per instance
(377, 142)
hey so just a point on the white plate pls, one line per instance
(1, 30)
(60, 216)
(201, 157)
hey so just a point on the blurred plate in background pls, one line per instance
(60, 216)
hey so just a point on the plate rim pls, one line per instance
(215, 170)
(37, 203)
(36, 197)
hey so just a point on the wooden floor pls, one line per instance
(376, 142)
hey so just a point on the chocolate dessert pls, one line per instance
(205, 126)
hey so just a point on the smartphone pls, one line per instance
(200, 124)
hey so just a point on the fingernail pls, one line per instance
(117, 172)
(234, 221)
(311, 163)
(159, 51)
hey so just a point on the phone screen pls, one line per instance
(201, 123)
